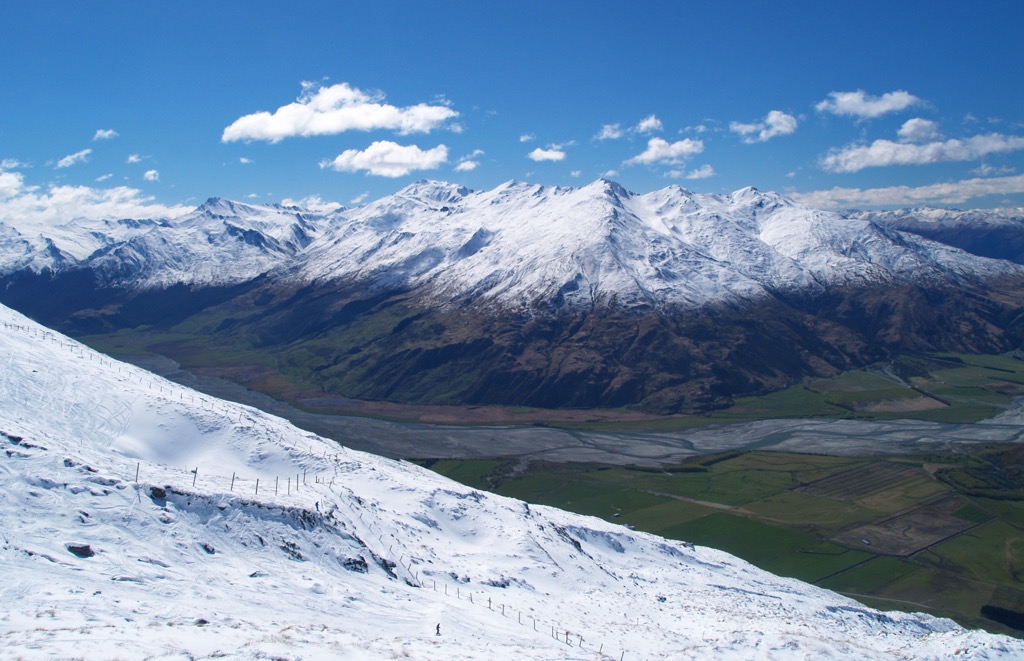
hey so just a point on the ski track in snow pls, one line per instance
(342, 554)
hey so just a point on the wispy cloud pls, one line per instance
(73, 159)
(861, 105)
(468, 162)
(104, 177)
(703, 172)
(774, 124)
(12, 164)
(609, 132)
(662, 151)
(104, 134)
(388, 159)
(880, 153)
(527, 137)
(553, 154)
(336, 109)
(134, 158)
(957, 192)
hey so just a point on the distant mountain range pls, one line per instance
(527, 295)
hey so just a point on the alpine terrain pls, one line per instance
(522, 295)
(139, 519)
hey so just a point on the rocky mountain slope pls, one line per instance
(524, 295)
(139, 519)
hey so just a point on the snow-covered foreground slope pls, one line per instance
(132, 526)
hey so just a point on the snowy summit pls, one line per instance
(140, 519)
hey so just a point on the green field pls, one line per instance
(801, 516)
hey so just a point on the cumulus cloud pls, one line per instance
(957, 192)
(662, 151)
(387, 159)
(151, 175)
(553, 154)
(313, 203)
(609, 132)
(774, 124)
(919, 130)
(104, 134)
(62, 203)
(244, 161)
(134, 158)
(73, 159)
(648, 124)
(11, 183)
(886, 152)
(861, 105)
(336, 109)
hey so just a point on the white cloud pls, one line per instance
(61, 203)
(886, 152)
(648, 124)
(466, 163)
(956, 192)
(609, 132)
(703, 172)
(576, 174)
(151, 175)
(104, 177)
(72, 159)
(134, 158)
(359, 199)
(610, 174)
(774, 124)
(387, 159)
(11, 183)
(336, 109)
(863, 106)
(313, 203)
(104, 134)
(661, 151)
(553, 154)
(12, 164)
(244, 161)
(919, 130)
(527, 137)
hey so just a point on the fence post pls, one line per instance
(137, 472)
(276, 478)
(195, 475)
(257, 486)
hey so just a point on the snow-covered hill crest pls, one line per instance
(221, 242)
(132, 524)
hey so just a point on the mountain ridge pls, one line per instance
(525, 295)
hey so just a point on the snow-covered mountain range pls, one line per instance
(524, 295)
(139, 519)
(519, 245)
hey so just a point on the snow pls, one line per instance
(517, 246)
(131, 526)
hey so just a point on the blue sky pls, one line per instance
(141, 108)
